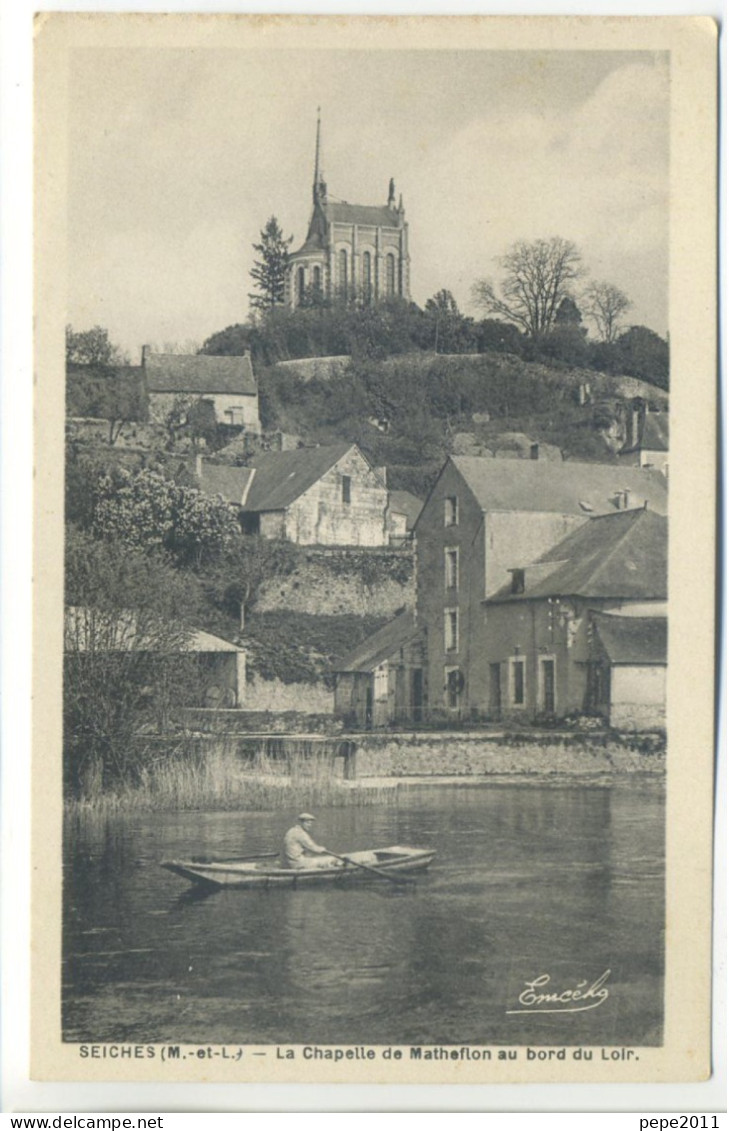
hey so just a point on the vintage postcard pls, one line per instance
(374, 623)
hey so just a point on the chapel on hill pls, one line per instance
(351, 250)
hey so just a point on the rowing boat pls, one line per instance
(263, 872)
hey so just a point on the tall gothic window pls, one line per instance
(390, 275)
(342, 280)
(300, 284)
(316, 278)
(367, 276)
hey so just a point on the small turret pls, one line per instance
(391, 194)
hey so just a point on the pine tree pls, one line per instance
(269, 272)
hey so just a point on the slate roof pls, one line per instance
(653, 434)
(199, 373)
(559, 488)
(274, 480)
(379, 216)
(621, 555)
(120, 630)
(402, 502)
(281, 477)
(633, 640)
(226, 480)
(380, 646)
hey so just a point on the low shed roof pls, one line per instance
(380, 646)
(633, 640)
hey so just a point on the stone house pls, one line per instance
(380, 681)
(174, 382)
(482, 518)
(327, 496)
(578, 630)
(646, 437)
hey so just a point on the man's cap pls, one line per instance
(305, 817)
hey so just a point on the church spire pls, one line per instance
(320, 188)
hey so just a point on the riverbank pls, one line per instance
(234, 773)
(514, 756)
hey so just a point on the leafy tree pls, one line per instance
(111, 393)
(269, 272)
(644, 354)
(605, 305)
(451, 331)
(126, 629)
(536, 278)
(92, 347)
(231, 342)
(145, 511)
(499, 337)
(99, 381)
(202, 423)
(569, 314)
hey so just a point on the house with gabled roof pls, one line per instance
(483, 518)
(554, 636)
(325, 496)
(174, 382)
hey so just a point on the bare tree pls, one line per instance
(537, 277)
(605, 305)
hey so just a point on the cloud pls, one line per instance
(597, 174)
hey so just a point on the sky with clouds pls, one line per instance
(178, 157)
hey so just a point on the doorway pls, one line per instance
(548, 696)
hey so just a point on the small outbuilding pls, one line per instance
(628, 670)
(381, 681)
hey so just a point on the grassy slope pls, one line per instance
(428, 399)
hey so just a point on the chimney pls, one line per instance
(146, 351)
(534, 451)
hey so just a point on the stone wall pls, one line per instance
(477, 755)
(275, 695)
(335, 582)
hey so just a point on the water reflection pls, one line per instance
(527, 879)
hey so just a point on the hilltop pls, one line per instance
(409, 412)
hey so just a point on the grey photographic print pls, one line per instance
(377, 431)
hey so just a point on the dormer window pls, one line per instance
(451, 510)
(517, 581)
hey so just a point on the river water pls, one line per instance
(529, 880)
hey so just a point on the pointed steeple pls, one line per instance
(391, 194)
(320, 188)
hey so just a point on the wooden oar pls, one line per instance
(375, 871)
(231, 859)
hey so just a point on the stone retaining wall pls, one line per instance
(454, 756)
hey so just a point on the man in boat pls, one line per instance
(300, 850)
